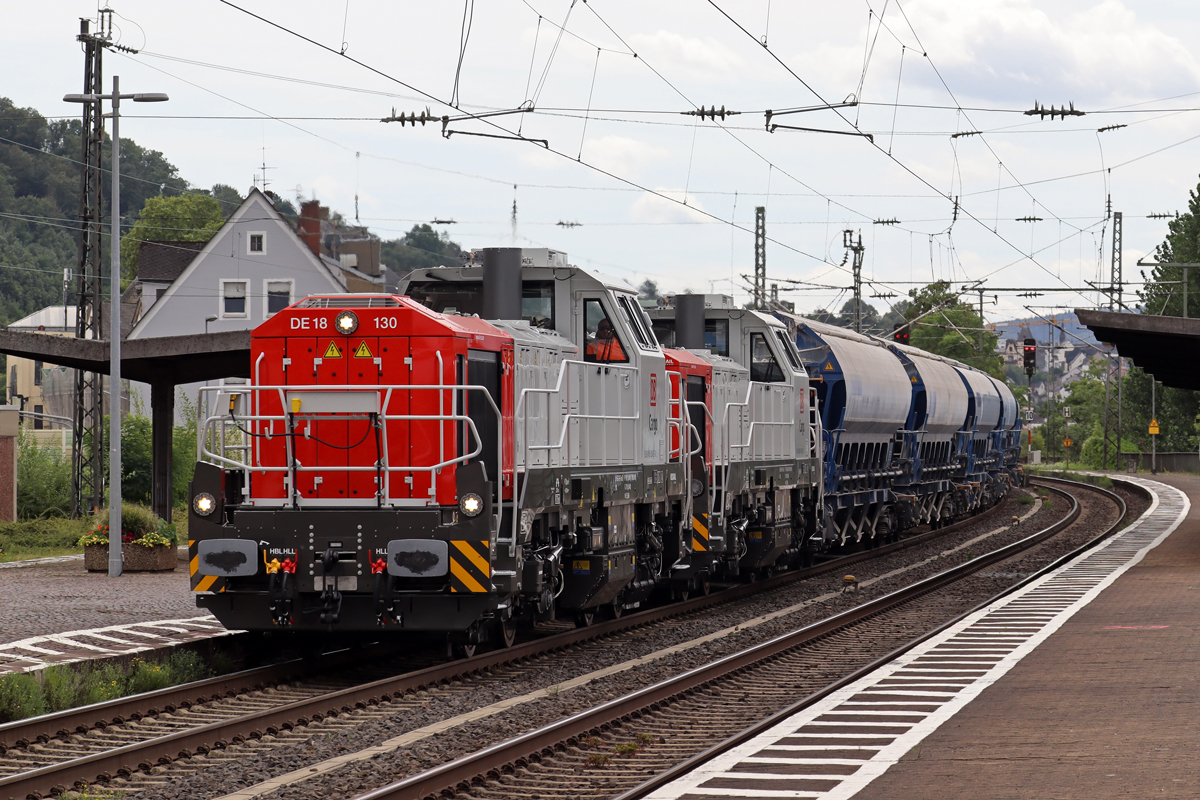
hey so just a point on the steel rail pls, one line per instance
(216, 735)
(462, 772)
(691, 764)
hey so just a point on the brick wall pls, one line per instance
(8, 463)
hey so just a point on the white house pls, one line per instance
(254, 266)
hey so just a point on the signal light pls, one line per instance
(346, 323)
(900, 333)
(1030, 356)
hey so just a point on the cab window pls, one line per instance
(634, 321)
(603, 344)
(788, 349)
(763, 366)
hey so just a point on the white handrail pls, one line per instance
(382, 418)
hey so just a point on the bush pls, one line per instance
(60, 686)
(147, 676)
(43, 480)
(187, 666)
(101, 682)
(20, 697)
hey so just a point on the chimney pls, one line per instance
(689, 321)
(309, 225)
(502, 283)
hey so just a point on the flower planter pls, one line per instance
(134, 558)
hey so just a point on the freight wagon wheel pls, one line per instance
(616, 609)
(703, 586)
(681, 593)
(585, 618)
(504, 632)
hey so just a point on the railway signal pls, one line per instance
(1030, 356)
(900, 333)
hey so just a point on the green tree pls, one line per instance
(229, 197)
(952, 330)
(183, 218)
(421, 248)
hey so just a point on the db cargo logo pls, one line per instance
(653, 388)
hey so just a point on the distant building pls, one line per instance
(44, 389)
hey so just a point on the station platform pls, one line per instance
(55, 612)
(1084, 684)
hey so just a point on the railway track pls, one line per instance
(613, 748)
(49, 754)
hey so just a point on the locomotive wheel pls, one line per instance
(584, 619)
(504, 632)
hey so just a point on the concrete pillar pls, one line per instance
(162, 426)
(9, 419)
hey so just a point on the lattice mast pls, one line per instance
(87, 474)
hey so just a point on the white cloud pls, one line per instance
(653, 208)
(622, 155)
(698, 59)
(1014, 50)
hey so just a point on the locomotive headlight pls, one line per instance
(204, 504)
(470, 504)
(346, 323)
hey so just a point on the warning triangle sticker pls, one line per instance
(363, 351)
(332, 351)
(913, 379)
(829, 366)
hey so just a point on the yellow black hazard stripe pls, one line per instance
(470, 569)
(700, 533)
(201, 583)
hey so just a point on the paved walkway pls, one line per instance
(54, 611)
(1081, 685)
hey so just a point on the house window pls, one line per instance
(37, 420)
(277, 295)
(256, 243)
(37, 373)
(233, 299)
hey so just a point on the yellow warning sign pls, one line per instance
(913, 379)
(1154, 427)
(362, 351)
(829, 366)
(333, 351)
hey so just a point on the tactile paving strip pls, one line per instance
(836, 747)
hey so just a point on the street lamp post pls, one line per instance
(114, 331)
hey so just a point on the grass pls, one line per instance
(64, 686)
(40, 538)
(1025, 500)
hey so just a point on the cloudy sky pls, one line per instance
(657, 193)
